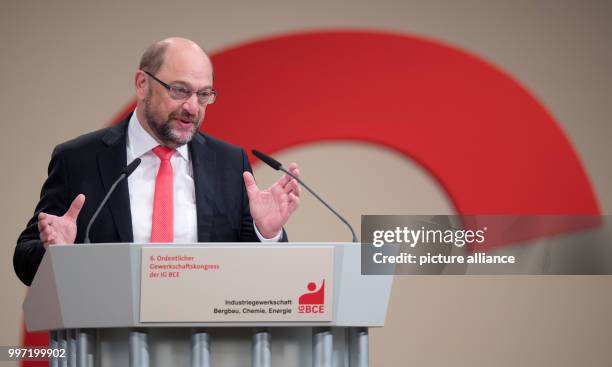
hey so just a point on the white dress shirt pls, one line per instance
(141, 186)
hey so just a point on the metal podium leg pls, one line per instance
(262, 352)
(85, 350)
(359, 347)
(53, 344)
(62, 344)
(322, 348)
(139, 349)
(200, 349)
(72, 347)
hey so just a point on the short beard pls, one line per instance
(163, 129)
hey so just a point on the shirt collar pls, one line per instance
(141, 142)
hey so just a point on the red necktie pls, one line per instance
(162, 224)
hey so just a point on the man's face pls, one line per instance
(172, 127)
(174, 122)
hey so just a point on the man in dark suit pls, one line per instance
(190, 187)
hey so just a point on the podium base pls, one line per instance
(219, 347)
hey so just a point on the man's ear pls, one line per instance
(140, 84)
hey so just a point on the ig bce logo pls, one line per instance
(313, 301)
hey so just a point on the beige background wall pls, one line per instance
(67, 67)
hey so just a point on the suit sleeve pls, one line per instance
(247, 231)
(53, 200)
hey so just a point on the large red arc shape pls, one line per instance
(492, 146)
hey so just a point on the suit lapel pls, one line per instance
(111, 161)
(204, 165)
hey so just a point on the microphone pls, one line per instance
(268, 160)
(279, 167)
(124, 174)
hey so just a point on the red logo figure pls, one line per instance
(313, 301)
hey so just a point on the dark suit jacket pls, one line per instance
(91, 163)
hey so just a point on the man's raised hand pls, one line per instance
(60, 230)
(272, 207)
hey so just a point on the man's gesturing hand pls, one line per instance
(271, 208)
(54, 229)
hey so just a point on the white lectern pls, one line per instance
(217, 304)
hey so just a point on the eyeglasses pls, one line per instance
(181, 93)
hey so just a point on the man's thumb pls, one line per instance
(75, 207)
(249, 182)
